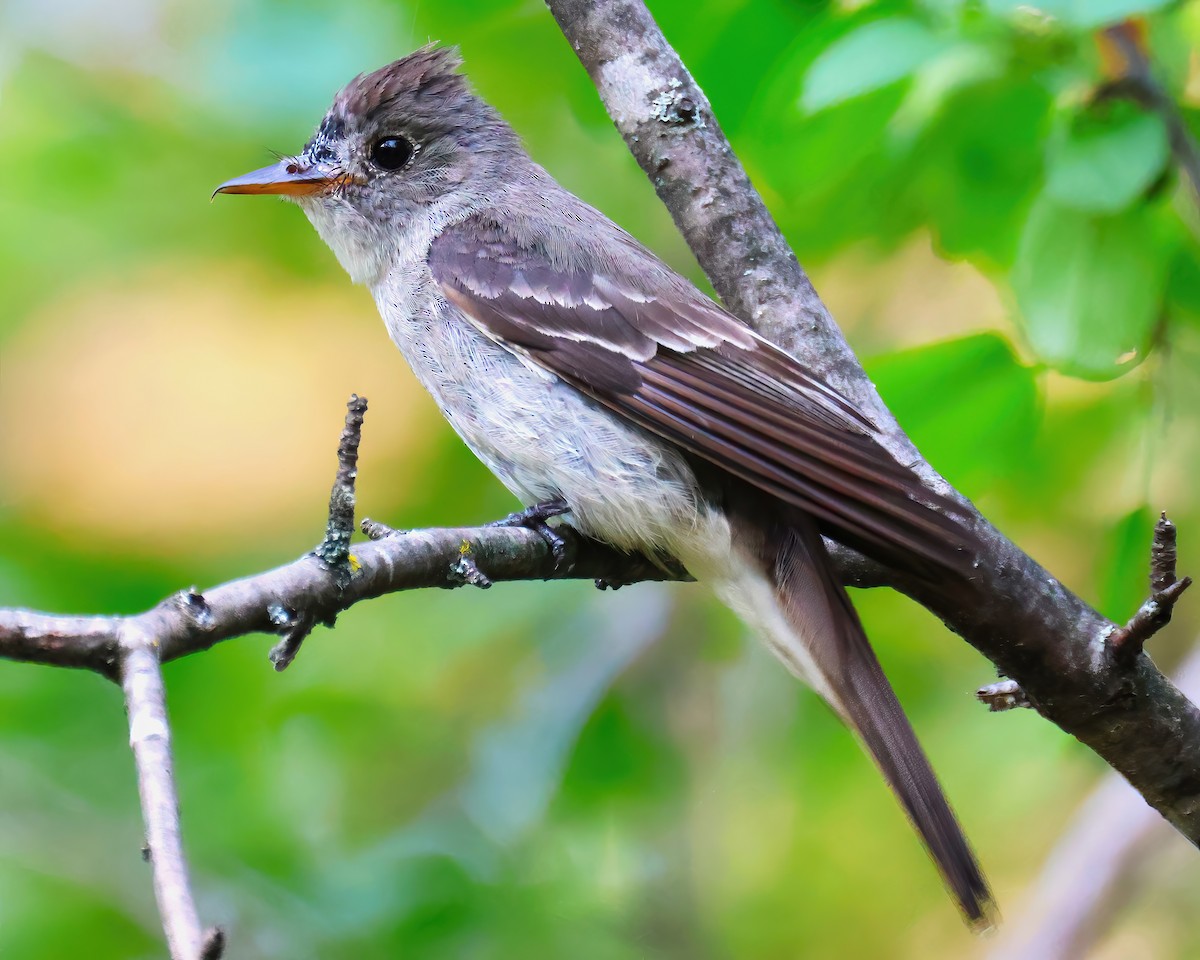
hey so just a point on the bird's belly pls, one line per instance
(545, 439)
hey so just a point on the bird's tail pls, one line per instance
(782, 582)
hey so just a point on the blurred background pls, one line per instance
(544, 770)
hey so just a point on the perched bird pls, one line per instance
(597, 383)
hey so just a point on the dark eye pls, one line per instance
(391, 153)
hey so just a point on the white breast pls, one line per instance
(541, 437)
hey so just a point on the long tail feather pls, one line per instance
(788, 590)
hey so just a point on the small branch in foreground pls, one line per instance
(150, 740)
(1127, 642)
(290, 600)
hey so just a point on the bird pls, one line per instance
(603, 388)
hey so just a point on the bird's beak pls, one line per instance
(291, 177)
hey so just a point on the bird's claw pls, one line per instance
(535, 518)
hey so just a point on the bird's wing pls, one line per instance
(648, 345)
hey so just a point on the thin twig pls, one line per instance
(335, 548)
(1138, 82)
(1165, 589)
(1164, 555)
(88, 643)
(150, 739)
(294, 625)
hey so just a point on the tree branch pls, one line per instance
(1024, 620)
(150, 740)
(265, 602)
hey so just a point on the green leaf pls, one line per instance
(1104, 167)
(969, 405)
(1090, 288)
(977, 167)
(1183, 283)
(1123, 559)
(866, 59)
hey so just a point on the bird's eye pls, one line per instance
(391, 153)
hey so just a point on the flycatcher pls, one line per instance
(595, 382)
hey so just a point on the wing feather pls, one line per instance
(645, 343)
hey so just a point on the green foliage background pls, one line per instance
(542, 770)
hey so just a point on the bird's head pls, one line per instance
(399, 150)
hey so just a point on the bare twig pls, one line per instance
(89, 643)
(335, 548)
(1137, 82)
(1127, 642)
(1164, 554)
(374, 530)
(1027, 622)
(150, 739)
(294, 625)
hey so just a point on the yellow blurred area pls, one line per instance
(911, 297)
(195, 400)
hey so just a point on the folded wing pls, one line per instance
(648, 345)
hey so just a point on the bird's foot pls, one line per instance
(535, 518)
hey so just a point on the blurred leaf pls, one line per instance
(968, 404)
(1094, 429)
(1183, 285)
(1105, 165)
(1124, 561)
(252, 75)
(759, 33)
(959, 67)
(28, 931)
(872, 56)
(1083, 14)
(977, 167)
(1090, 288)
(517, 763)
(838, 188)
